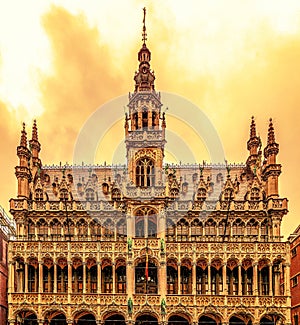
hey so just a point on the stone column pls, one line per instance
(239, 279)
(55, 278)
(255, 279)
(224, 273)
(163, 279)
(276, 280)
(69, 277)
(129, 278)
(179, 278)
(287, 283)
(194, 278)
(140, 120)
(150, 118)
(26, 278)
(209, 278)
(11, 277)
(40, 285)
(99, 277)
(114, 277)
(270, 280)
(84, 278)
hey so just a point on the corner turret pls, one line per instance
(23, 169)
(272, 170)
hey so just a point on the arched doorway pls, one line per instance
(115, 320)
(206, 320)
(87, 319)
(59, 319)
(30, 319)
(146, 320)
(266, 321)
(177, 320)
(236, 321)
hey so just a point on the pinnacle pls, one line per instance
(252, 128)
(23, 141)
(271, 134)
(34, 131)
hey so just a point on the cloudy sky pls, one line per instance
(61, 60)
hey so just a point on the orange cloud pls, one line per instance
(83, 78)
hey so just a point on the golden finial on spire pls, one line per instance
(144, 34)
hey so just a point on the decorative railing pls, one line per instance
(153, 191)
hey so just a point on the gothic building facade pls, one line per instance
(148, 242)
(7, 230)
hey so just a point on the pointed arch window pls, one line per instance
(95, 227)
(38, 195)
(265, 229)
(31, 229)
(145, 119)
(109, 231)
(182, 230)
(196, 229)
(63, 195)
(144, 172)
(174, 193)
(145, 223)
(210, 228)
(62, 276)
(227, 194)
(170, 230)
(252, 228)
(90, 194)
(201, 194)
(121, 229)
(42, 229)
(116, 194)
(82, 229)
(55, 229)
(238, 228)
(254, 194)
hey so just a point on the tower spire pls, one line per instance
(144, 34)
(144, 77)
(35, 147)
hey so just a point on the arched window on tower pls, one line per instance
(135, 121)
(145, 119)
(153, 119)
(144, 172)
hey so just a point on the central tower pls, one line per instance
(145, 125)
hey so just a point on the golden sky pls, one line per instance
(61, 60)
